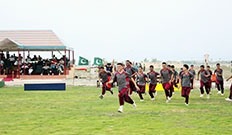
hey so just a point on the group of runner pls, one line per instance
(130, 79)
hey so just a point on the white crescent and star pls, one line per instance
(97, 62)
(83, 61)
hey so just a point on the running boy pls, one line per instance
(191, 70)
(175, 78)
(166, 79)
(185, 82)
(122, 79)
(103, 76)
(152, 82)
(219, 79)
(209, 78)
(131, 71)
(204, 81)
(141, 80)
(230, 96)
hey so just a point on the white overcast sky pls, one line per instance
(129, 29)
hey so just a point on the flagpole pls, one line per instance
(74, 66)
(90, 70)
(73, 74)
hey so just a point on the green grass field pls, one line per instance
(79, 111)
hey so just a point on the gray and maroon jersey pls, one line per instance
(122, 80)
(130, 71)
(181, 71)
(210, 72)
(104, 76)
(175, 74)
(153, 77)
(166, 75)
(202, 74)
(218, 77)
(141, 79)
(193, 72)
(186, 79)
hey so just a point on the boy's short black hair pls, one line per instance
(164, 63)
(151, 66)
(140, 67)
(208, 66)
(192, 65)
(129, 61)
(218, 64)
(172, 66)
(169, 65)
(120, 64)
(108, 63)
(101, 67)
(186, 66)
(202, 66)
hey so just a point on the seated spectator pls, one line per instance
(28, 59)
(34, 58)
(45, 70)
(54, 61)
(12, 60)
(7, 65)
(55, 69)
(61, 61)
(30, 70)
(61, 69)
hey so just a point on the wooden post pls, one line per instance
(65, 62)
(24, 62)
(1, 63)
(73, 57)
(69, 63)
(18, 65)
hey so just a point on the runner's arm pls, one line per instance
(198, 75)
(132, 79)
(229, 78)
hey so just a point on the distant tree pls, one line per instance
(146, 60)
(154, 60)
